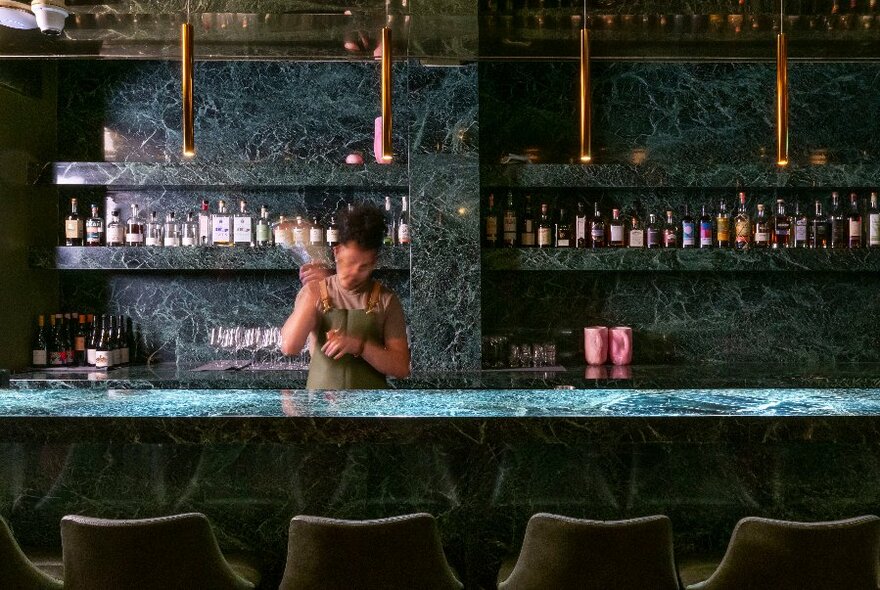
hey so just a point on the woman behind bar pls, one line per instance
(356, 325)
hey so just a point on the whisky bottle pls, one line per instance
(762, 228)
(722, 226)
(564, 238)
(838, 223)
(545, 228)
(134, 228)
(73, 226)
(873, 223)
(153, 230)
(115, 230)
(205, 224)
(688, 230)
(264, 228)
(490, 224)
(819, 228)
(636, 234)
(706, 238)
(616, 230)
(801, 231)
(527, 229)
(854, 223)
(403, 235)
(742, 225)
(171, 234)
(242, 226)
(94, 228)
(654, 231)
(781, 227)
(221, 226)
(189, 230)
(510, 222)
(670, 232)
(581, 227)
(282, 232)
(597, 229)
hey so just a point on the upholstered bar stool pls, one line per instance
(765, 554)
(16, 570)
(176, 552)
(399, 553)
(568, 553)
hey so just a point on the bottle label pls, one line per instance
(723, 224)
(800, 231)
(544, 236)
(332, 236)
(705, 234)
(563, 243)
(187, 241)
(598, 234)
(855, 230)
(653, 237)
(172, 241)
(527, 237)
(40, 358)
(636, 238)
(73, 228)
(263, 233)
(242, 230)
(403, 233)
(510, 222)
(283, 237)
(580, 231)
(617, 233)
(743, 232)
(687, 234)
(94, 234)
(134, 238)
(90, 356)
(57, 357)
(874, 229)
(316, 235)
(491, 229)
(220, 230)
(669, 239)
(115, 235)
(102, 359)
(762, 236)
(204, 227)
(153, 241)
(79, 343)
(299, 236)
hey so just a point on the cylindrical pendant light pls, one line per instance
(186, 45)
(781, 96)
(586, 102)
(387, 151)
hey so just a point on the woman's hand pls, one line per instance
(340, 344)
(313, 272)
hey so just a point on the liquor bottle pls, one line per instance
(92, 346)
(781, 227)
(115, 230)
(545, 228)
(390, 224)
(189, 230)
(171, 233)
(527, 228)
(801, 228)
(205, 224)
(854, 223)
(762, 228)
(79, 342)
(742, 225)
(616, 230)
(57, 352)
(264, 228)
(301, 233)
(134, 228)
(722, 226)
(282, 232)
(316, 232)
(706, 239)
(670, 232)
(581, 227)
(70, 321)
(221, 226)
(490, 224)
(103, 350)
(838, 223)
(40, 346)
(403, 236)
(153, 230)
(564, 234)
(94, 228)
(873, 223)
(597, 228)
(242, 226)
(819, 231)
(654, 237)
(509, 222)
(636, 234)
(73, 226)
(332, 231)
(123, 342)
(688, 230)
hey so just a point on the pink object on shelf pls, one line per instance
(354, 158)
(620, 349)
(621, 372)
(596, 345)
(596, 372)
(377, 142)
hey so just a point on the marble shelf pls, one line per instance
(185, 258)
(677, 260)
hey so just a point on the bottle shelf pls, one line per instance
(187, 258)
(135, 175)
(865, 260)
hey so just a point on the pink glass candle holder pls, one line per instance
(620, 345)
(596, 345)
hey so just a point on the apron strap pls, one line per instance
(373, 302)
(326, 303)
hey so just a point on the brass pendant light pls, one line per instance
(186, 46)
(387, 150)
(781, 93)
(585, 102)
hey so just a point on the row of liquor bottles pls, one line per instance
(218, 228)
(77, 340)
(741, 229)
(771, 7)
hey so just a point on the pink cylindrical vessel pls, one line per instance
(620, 349)
(596, 345)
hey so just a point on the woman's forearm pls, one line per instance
(393, 361)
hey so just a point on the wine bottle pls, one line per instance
(40, 346)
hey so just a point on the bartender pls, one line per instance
(355, 325)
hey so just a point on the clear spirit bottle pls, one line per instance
(172, 231)
(95, 228)
(300, 232)
(153, 230)
(189, 231)
(316, 232)
(134, 228)
(332, 231)
(263, 228)
(873, 223)
(221, 226)
(282, 232)
(205, 224)
(242, 226)
(403, 234)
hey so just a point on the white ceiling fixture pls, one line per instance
(17, 15)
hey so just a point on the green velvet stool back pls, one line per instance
(765, 554)
(568, 553)
(16, 570)
(399, 553)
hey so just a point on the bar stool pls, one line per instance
(568, 553)
(398, 553)
(16, 570)
(176, 552)
(783, 555)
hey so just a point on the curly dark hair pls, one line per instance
(363, 225)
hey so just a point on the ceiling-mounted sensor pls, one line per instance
(50, 15)
(17, 15)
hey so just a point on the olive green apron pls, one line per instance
(349, 372)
